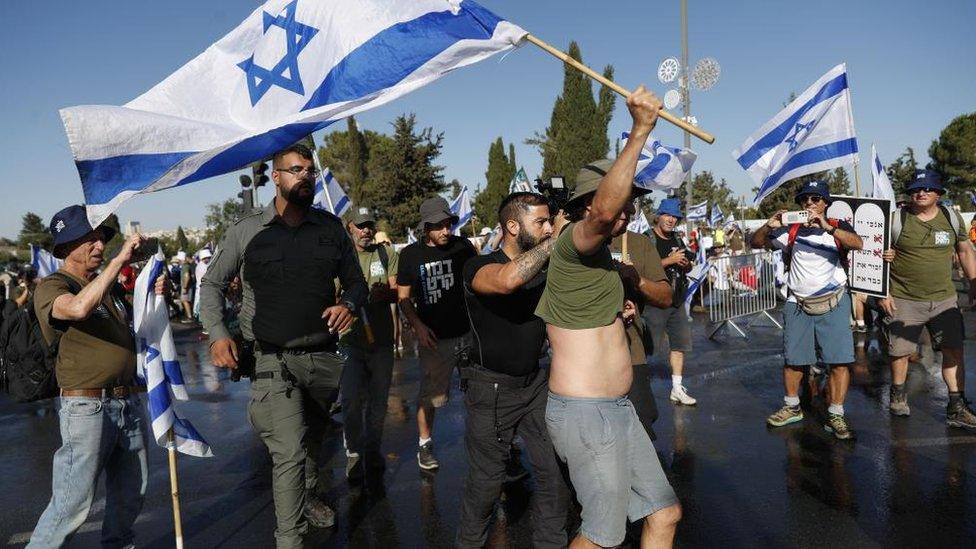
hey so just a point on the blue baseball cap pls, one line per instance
(926, 179)
(70, 224)
(670, 206)
(816, 188)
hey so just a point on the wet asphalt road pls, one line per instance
(903, 483)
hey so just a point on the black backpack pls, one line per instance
(28, 361)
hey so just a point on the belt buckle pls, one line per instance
(119, 392)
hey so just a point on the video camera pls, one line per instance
(555, 190)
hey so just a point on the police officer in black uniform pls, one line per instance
(288, 257)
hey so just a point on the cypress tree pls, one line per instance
(501, 169)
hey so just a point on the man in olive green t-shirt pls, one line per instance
(923, 295)
(591, 422)
(369, 350)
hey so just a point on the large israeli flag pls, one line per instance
(661, 168)
(329, 195)
(461, 207)
(813, 133)
(43, 261)
(698, 212)
(292, 67)
(520, 183)
(881, 184)
(639, 224)
(158, 365)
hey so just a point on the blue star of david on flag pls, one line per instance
(795, 135)
(297, 36)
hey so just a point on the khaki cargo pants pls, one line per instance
(290, 411)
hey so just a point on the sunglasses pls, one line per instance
(925, 190)
(809, 198)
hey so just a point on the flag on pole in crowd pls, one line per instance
(661, 168)
(717, 216)
(461, 207)
(487, 247)
(158, 365)
(43, 261)
(881, 184)
(698, 212)
(329, 195)
(411, 238)
(697, 275)
(520, 183)
(731, 218)
(639, 224)
(289, 69)
(815, 132)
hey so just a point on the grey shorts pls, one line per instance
(437, 366)
(942, 318)
(672, 321)
(611, 461)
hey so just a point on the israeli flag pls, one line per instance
(717, 216)
(411, 238)
(696, 277)
(487, 248)
(461, 207)
(43, 261)
(291, 68)
(520, 183)
(881, 183)
(698, 212)
(812, 134)
(329, 195)
(158, 366)
(639, 224)
(661, 168)
(731, 219)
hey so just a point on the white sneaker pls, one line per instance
(680, 396)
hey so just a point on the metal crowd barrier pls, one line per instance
(740, 286)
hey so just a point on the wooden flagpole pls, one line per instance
(175, 490)
(559, 54)
(623, 248)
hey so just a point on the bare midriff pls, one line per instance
(590, 363)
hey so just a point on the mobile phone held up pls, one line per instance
(145, 250)
(791, 218)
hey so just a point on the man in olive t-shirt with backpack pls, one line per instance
(924, 236)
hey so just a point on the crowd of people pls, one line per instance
(549, 333)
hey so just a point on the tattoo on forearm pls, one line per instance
(529, 263)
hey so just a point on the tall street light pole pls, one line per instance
(685, 86)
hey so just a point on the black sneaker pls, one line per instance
(317, 513)
(425, 457)
(959, 415)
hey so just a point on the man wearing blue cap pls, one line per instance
(818, 307)
(675, 258)
(103, 425)
(925, 235)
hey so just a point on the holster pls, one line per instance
(246, 361)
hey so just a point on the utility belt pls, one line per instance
(266, 348)
(477, 372)
(119, 392)
(247, 360)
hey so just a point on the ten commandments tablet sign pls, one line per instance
(869, 217)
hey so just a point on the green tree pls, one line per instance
(705, 188)
(358, 155)
(33, 231)
(901, 172)
(220, 216)
(953, 155)
(577, 131)
(402, 174)
(501, 169)
(182, 243)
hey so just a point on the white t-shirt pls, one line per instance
(816, 268)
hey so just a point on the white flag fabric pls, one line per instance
(881, 183)
(815, 132)
(520, 183)
(411, 238)
(717, 216)
(291, 68)
(639, 224)
(461, 207)
(43, 261)
(661, 168)
(329, 195)
(697, 275)
(698, 212)
(159, 366)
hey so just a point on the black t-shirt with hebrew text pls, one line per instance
(434, 274)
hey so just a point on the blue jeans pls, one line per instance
(96, 435)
